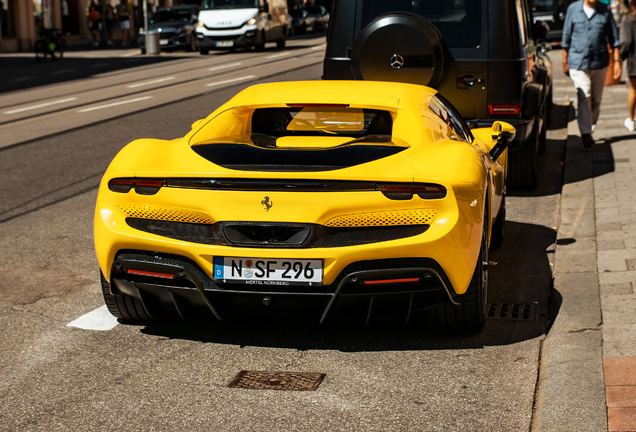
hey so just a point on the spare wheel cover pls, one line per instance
(400, 47)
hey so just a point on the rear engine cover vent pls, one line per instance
(396, 217)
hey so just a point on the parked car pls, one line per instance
(176, 27)
(231, 24)
(482, 55)
(311, 199)
(290, 25)
(302, 21)
(321, 15)
(552, 13)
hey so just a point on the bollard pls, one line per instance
(153, 46)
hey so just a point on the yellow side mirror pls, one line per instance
(503, 133)
(196, 123)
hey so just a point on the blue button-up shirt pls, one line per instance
(587, 38)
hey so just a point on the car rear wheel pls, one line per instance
(124, 306)
(470, 315)
(522, 164)
(280, 43)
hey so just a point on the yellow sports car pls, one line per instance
(323, 199)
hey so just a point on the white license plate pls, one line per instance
(267, 271)
(224, 44)
(163, 42)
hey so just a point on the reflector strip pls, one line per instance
(318, 105)
(387, 281)
(149, 273)
(504, 109)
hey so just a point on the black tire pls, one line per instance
(543, 136)
(58, 52)
(40, 52)
(499, 227)
(280, 43)
(204, 51)
(143, 50)
(470, 315)
(192, 44)
(260, 44)
(522, 164)
(123, 306)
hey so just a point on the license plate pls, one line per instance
(163, 42)
(266, 271)
(223, 44)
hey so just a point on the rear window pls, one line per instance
(318, 121)
(459, 21)
(171, 15)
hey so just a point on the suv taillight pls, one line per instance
(504, 109)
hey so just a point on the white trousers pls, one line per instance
(589, 91)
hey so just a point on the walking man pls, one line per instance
(588, 29)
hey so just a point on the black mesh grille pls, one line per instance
(321, 236)
(192, 232)
(170, 260)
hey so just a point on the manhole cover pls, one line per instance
(277, 380)
(513, 311)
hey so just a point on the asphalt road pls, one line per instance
(174, 375)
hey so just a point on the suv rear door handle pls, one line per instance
(470, 81)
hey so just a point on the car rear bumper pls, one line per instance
(190, 292)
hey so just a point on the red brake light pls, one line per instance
(149, 273)
(405, 191)
(387, 281)
(504, 109)
(142, 186)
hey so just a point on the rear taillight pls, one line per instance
(405, 191)
(504, 109)
(142, 186)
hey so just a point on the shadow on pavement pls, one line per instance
(520, 274)
(20, 72)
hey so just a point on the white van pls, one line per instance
(231, 24)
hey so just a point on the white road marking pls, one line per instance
(115, 104)
(151, 82)
(225, 66)
(319, 46)
(130, 54)
(99, 319)
(42, 105)
(283, 54)
(231, 80)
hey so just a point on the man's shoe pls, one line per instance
(588, 141)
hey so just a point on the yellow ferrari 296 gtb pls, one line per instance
(324, 199)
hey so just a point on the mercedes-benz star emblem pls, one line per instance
(397, 61)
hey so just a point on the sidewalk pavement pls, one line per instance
(587, 379)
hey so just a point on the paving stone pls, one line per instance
(619, 317)
(616, 288)
(620, 370)
(621, 396)
(606, 211)
(619, 348)
(616, 333)
(617, 277)
(621, 419)
(605, 245)
(615, 260)
(612, 226)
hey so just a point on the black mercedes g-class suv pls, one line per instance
(480, 54)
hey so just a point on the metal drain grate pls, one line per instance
(277, 381)
(513, 311)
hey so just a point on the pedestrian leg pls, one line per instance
(597, 78)
(583, 85)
